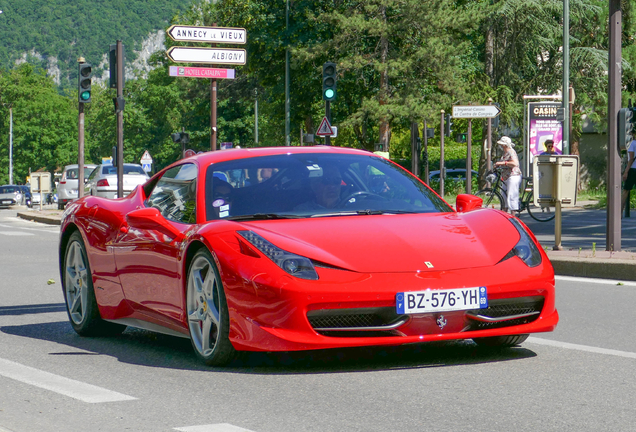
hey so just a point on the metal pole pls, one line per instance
(414, 148)
(328, 115)
(80, 153)
(213, 128)
(613, 242)
(120, 120)
(441, 156)
(287, 118)
(10, 145)
(425, 138)
(489, 142)
(566, 76)
(469, 158)
(256, 116)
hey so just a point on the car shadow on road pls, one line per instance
(150, 349)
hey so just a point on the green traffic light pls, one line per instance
(85, 95)
(329, 93)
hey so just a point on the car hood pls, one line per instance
(7, 195)
(396, 243)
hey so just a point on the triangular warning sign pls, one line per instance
(325, 128)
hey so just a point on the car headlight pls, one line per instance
(293, 264)
(525, 248)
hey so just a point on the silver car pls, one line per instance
(103, 180)
(67, 187)
(10, 195)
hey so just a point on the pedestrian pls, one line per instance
(549, 148)
(629, 176)
(510, 174)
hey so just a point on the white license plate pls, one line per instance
(6, 202)
(445, 300)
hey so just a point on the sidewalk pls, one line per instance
(583, 241)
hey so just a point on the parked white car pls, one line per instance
(103, 180)
(67, 187)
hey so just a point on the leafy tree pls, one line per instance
(44, 123)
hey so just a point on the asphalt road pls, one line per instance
(578, 378)
(583, 227)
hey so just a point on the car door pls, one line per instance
(148, 260)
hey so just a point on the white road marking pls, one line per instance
(59, 384)
(54, 230)
(220, 427)
(16, 233)
(578, 347)
(594, 280)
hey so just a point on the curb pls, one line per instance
(619, 269)
(50, 220)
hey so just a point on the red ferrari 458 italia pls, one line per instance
(282, 249)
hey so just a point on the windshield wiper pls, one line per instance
(262, 216)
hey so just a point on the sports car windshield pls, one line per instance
(314, 185)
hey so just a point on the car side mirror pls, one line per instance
(151, 219)
(466, 202)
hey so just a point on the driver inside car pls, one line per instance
(326, 189)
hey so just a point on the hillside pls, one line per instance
(52, 34)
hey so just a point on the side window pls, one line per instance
(175, 194)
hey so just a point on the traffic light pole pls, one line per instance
(441, 157)
(80, 146)
(80, 153)
(120, 120)
(328, 115)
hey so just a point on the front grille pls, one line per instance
(502, 308)
(356, 322)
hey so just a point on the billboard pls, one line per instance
(543, 125)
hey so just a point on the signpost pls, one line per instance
(146, 162)
(476, 111)
(470, 112)
(197, 72)
(180, 54)
(207, 34)
(213, 55)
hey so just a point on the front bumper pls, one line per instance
(282, 313)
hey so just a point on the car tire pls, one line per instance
(501, 341)
(79, 295)
(60, 206)
(207, 311)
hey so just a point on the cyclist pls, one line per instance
(510, 174)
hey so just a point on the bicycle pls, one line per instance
(493, 197)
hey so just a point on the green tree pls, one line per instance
(44, 123)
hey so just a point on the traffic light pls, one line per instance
(625, 118)
(449, 126)
(329, 81)
(84, 82)
(461, 137)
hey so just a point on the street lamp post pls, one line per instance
(10, 145)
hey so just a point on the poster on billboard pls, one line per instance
(543, 125)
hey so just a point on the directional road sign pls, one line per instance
(325, 128)
(182, 54)
(476, 111)
(207, 34)
(197, 72)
